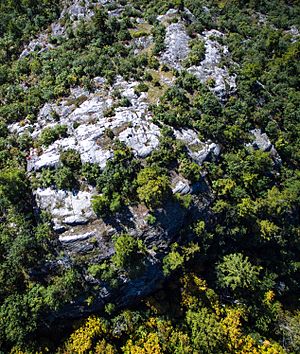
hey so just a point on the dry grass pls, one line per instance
(155, 92)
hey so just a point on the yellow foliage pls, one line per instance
(152, 322)
(271, 348)
(248, 346)
(232, 328)
(82, 339)
(148, 345)
(246, 207)
(152, 344)
(17, 350)
(268, 229)
(103, 347)
(269, 296)
(192, 286)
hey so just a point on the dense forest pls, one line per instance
(213, 267)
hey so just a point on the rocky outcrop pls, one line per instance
(181, 187)
(66, 208)
(132, 125)
(94, 119)
(199, 151)
(177, 49)
(75, 10)
(209, 68)
(177, 45)
(261, 141)
(96, 244)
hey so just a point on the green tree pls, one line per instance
(207, 334)
(129, 253)
(153, 186)
(236, 272)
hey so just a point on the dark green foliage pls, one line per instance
(175, 109)
(90, 172)
(207, 334)
(236, 272)
(197, 53)
(116, 182)
(71, 158)
(51, 134)
(24, 247)
(20, 20)
(169, 150)
(190, 170)
(129, 253)
(64, 178)
(102, 205)
(158, 32)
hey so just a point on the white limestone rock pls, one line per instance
(130, 124)
(142, 138)
(199, 151)
(75, 238)
(40, 43)
(142, 43)
(261, 141)
(209, 67)
(177, 49)
(168, 15)
(177, 45)
(65, 207)
(182, 188)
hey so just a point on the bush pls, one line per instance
(190, 170)
(196, 54)
(159, 33)
(91, 172)
(151, 219)
(154, 186)
(50, 134)
(47, 177)
(64, 178)
(129, 252)
(142, 87)
(173, 260)
(100, 205)
(71, 158)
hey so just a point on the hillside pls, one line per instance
(149, 176)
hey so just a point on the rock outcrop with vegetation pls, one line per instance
(149, 176)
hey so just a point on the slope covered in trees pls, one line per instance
(188, 238)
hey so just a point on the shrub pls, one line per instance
(64, 178)
(100, 205)
(197, 53)
(142, 87)
(151, 219)
(90, 172)
(190, 170)
(71, 158)
(129, 252)
(47, 178)
(154, 186)
(184, 200)
(50, 134)
(172, 260)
